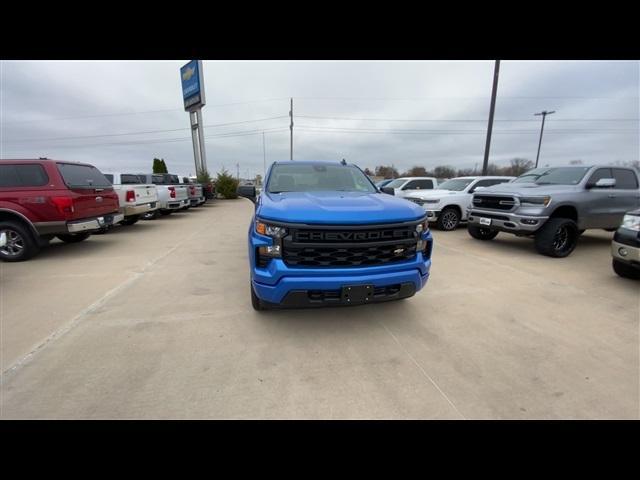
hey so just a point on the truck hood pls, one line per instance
(436, 193)
(528, 189)
(336, 208)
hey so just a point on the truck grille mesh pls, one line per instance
(349, 247)
(494, 202)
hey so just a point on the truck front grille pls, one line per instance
(349, 247)
(494, 202)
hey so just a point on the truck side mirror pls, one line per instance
(388, 190)
(247, 191)
(603, 183)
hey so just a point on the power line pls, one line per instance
(173, 140)
(142, 132)
(455, 132)
(469, 120)
(138, 113)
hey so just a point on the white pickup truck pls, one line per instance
(171, 195)
(196, 192)
(403, 186)
(136, 197)
(447, 205)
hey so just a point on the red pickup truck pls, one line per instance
(41, 199)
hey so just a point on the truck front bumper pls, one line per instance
(625, 247)
(507, 221)
(280, 284)
(94, 224)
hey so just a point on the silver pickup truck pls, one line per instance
(555, 205)
(171, 196)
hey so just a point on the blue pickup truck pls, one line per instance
(323, 234)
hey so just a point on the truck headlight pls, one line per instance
(273, 231)
(631, 222)
(535, 201)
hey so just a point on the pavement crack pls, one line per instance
(424, 372)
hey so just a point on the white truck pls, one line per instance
(136, 197)
(196, 192)
(171, 195)
(447, 205)
(405, 185)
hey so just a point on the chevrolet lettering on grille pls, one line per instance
(309, 236)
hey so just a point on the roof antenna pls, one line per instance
(343, 162)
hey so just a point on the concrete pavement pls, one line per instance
(155, 321)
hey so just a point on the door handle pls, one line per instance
(611, 195)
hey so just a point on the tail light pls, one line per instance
(64, 205)
(172, 192)
(131, 196)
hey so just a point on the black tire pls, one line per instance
(625, 270)
(580, 232)
(102, 230)
(74, 237)
(21, 243)
(557, 238)
(256, 303)
(449, 219)
(481, 233)
(130, 220)
(166, 212)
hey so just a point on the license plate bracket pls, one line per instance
(354, 294)
(485, 221)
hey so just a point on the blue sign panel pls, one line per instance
(192, 88)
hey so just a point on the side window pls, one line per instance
(22, 176)
(418, 184)
(598, 174)
(625, 179)
(109, 177)
(482, 183)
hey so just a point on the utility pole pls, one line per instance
(264, 158)
(238, 171)
(544, 114)
(487, 146)
(291, 129)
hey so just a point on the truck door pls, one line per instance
(600, 202)
(627, 194)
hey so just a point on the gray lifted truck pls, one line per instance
(555, 205)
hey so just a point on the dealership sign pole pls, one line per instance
(193, 96)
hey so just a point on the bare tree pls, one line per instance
(387, 171)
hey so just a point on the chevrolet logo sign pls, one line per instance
(188, 73)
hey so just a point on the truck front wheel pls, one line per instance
(557, 238)
(481, 233)
(625, 270)
(256, 303)
(20, 243)
(448, 219)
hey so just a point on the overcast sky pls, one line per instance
(425, 113)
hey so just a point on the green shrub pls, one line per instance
(226, 185)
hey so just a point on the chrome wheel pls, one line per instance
(449, 220)
(15, 244)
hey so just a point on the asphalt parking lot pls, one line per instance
(155, 321)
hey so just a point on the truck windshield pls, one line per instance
(456, 184)
(310, 177)
(396, 183)
(553, 176)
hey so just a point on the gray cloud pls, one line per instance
(38, 97)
